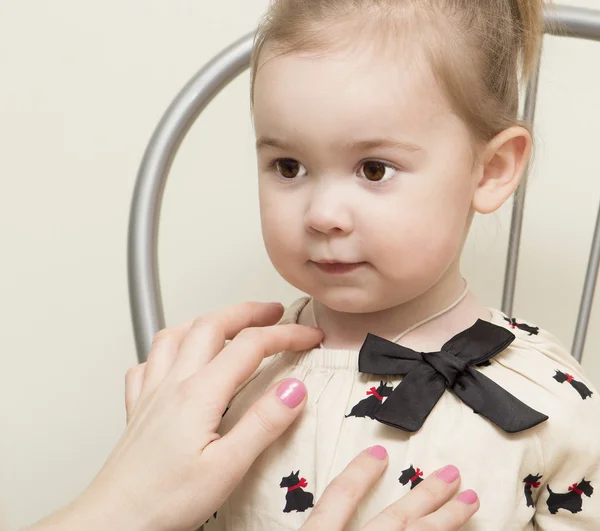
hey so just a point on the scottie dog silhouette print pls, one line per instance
(580, 387)
(572, 500)
(296, 498)
(411, 475)
(367, 407)
(531, 482)
(532, 330)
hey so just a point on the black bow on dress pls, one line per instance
(428, 375)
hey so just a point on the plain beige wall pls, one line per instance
(82, 86)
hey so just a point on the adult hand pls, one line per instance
(171, 470)
(431, 506)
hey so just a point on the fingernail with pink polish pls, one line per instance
(378, 452)
(449, 474)
(468, 496)
(291, 393)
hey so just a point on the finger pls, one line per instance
(162, 355)
(424, 499)
(261, 425)
(242, 356)
(208, 334)
(340, 499)
(134, 379)
(451, 516)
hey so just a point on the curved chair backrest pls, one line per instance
(144, 287)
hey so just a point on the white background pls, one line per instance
(82, 86)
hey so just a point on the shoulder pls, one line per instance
(539, 371)
(536, 351)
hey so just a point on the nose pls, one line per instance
(329, 210)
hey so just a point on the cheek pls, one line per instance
(422, 242)
(420, 237)
(278, 226)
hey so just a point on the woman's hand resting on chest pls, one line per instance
(431, 506)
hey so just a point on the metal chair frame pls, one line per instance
(144, 287)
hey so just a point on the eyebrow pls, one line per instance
(362, 145)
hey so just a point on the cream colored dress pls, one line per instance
(514, 474)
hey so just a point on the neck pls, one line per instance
(348, 330)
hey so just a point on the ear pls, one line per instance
(504, 160)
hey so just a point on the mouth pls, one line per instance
(332, 267)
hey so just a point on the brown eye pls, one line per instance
(288, 168)
(374, 171)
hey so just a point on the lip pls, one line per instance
(338, 268)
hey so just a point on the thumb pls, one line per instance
(260, 426)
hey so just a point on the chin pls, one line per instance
(362, 297)
(351, 300)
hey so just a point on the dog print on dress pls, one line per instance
(532, 330)
(580, 387)
(296, 498)
(572, 500)
(531, 482)
(411, 475)
(367, 407)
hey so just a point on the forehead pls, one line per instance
(357, 90)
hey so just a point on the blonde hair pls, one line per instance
(478, 50)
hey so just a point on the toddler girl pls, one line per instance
(382, 127)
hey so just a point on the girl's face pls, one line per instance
(362, 162)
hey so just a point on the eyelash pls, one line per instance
(272, 166)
